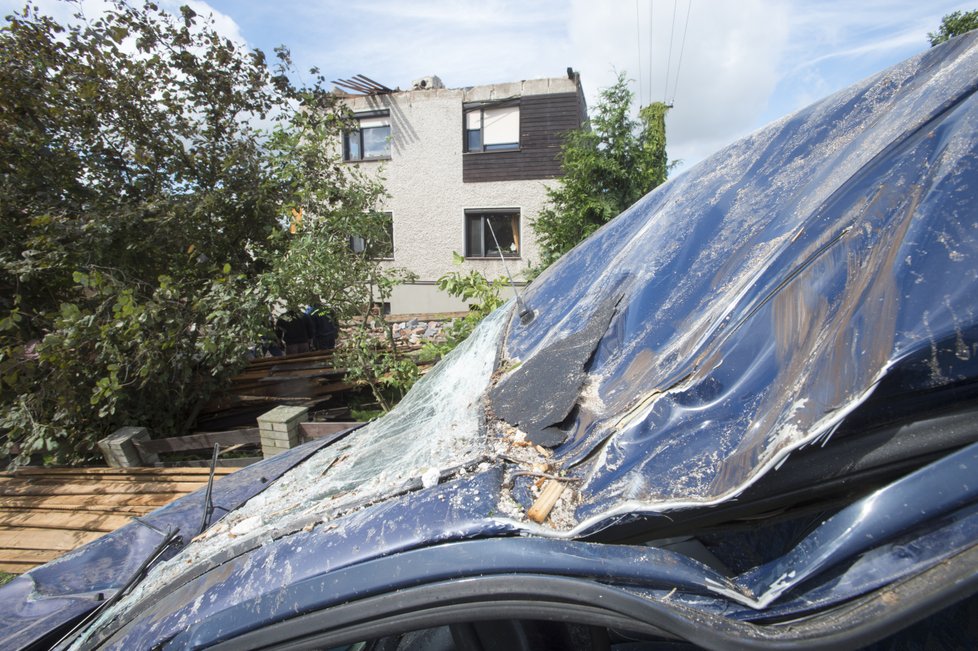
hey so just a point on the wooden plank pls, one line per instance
(45, 512)
(294, 388)
(96, 489)
(200, 441)
(321, 430)
(21, 560)
(32, 538)
(265, 362)
(97, 480)
(323, 366)
(61, 519)
(130, 511)
(94, 503)
(122, 472)
(41, 480)
(234, 463)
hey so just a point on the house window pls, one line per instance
(489, 233)
(371, 139)
(492, 128)
(381, 248)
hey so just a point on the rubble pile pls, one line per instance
(411, 331)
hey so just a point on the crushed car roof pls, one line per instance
(744, 315)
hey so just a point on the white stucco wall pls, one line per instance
(428, 199)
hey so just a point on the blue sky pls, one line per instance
(742, 64)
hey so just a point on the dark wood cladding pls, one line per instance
(543, 121)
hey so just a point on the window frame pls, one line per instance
(481, 214)
(481, 147)
(358, 132)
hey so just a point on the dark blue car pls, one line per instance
(744, 414)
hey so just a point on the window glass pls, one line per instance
(489, 234)
(473, 140)
(371, 140)
(501, 127)
(376, 142)
(473, 236)
(492, 129)
(352, 148)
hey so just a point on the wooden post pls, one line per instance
(279, 429)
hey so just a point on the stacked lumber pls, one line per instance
(45, 512)
(315, 380)
(309, 380)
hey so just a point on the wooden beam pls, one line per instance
(62, 540)
(82, 501)
(101, 470)
(233, 463)
(62, 519)
(21, 560)
(97, 509)
(200, 441)
(96, 489)
(320, 430)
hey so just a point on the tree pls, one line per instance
(141, 220)
(607, 166)
(954, 24)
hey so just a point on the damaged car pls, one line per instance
(743, 414)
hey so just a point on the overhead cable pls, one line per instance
(638, 44)
(672, 36)
(682, 48)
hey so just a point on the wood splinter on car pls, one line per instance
(545, 503)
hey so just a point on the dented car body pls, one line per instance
(750, 400)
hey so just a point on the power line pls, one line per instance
(682, 48)
(651, 42)
(638, 43)
(672, 36)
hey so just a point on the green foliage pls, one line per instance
(337, 203)
(606, 168)
(117, 355)
(142, 220)
(379, 365)
(954, 24)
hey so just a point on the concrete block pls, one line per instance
(285, 438)
(120, 451)
(271, 451)
(284, 414)
(279, 429)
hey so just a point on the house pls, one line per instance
(467, 171)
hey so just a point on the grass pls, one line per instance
(6, 577)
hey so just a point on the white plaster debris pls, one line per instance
(430, 477)
(510, 443)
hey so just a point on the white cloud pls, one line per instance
(729, 64)
(65, 12)
(743, 64)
